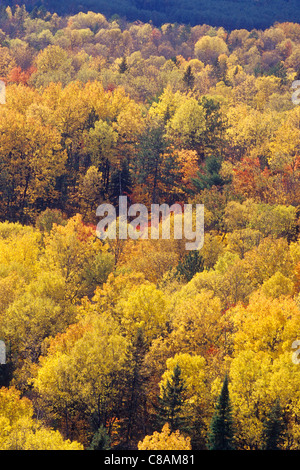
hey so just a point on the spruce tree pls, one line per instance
(221, 435)
(123, 66)
(191, 264)
(101, 440)
(189, 78)
(120, 183)
(210, 176)
(170, 404)
(274, 428)
(134, 387)
(155, 166)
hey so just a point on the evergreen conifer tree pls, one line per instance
(274, 428)
(120, 183)
(189, 78)
(221, 435)
(123, 66)
(171, 402)
(101, 440)
(155, 165)
(134, 397)
(190, 265)
(211, 175)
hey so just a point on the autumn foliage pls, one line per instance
(98, 108)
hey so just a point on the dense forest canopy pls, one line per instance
(230, 14)
(139, 344)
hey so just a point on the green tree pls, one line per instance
(45, 220)
(210, 176)
(120, 182)
(191, 264)
(101, 440)
(171, 401)
(155, 165)
(123, 66)
(189, 78)
(221, 434)
(135, 397)
(214, 136)
(274, 428)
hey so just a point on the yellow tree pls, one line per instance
(196, 322)
(261, 262)
(189, 165)
(7, 61)
(167, 105)
(94, 21)
(111, 136)
(40, 310)
(241, 241)
(250, 130)
(89, 193)
(19, 98)
(80, 375)
(165, 440)
(278, 285)
(197, 342)
(284, 154)
(115, 288)
(188, 124)
(229, 281)
(249, 375)
(78, 256)
(266, 324)
(209, 48)
(257, 380)
(198, 402)
(145, 308)
(21, 431)
(31, 158)
(192, 372)
(20, 251)
(53, 65)
(285, 145)
(152, 258)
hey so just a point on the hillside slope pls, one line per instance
(230, 14)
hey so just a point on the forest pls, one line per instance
(140, 344)
(230, 14)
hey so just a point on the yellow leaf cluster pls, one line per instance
(165, 440)
(19, 431)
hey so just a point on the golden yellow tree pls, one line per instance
(80, 374)
(165, 440)
(21, 431)
(31, 158)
